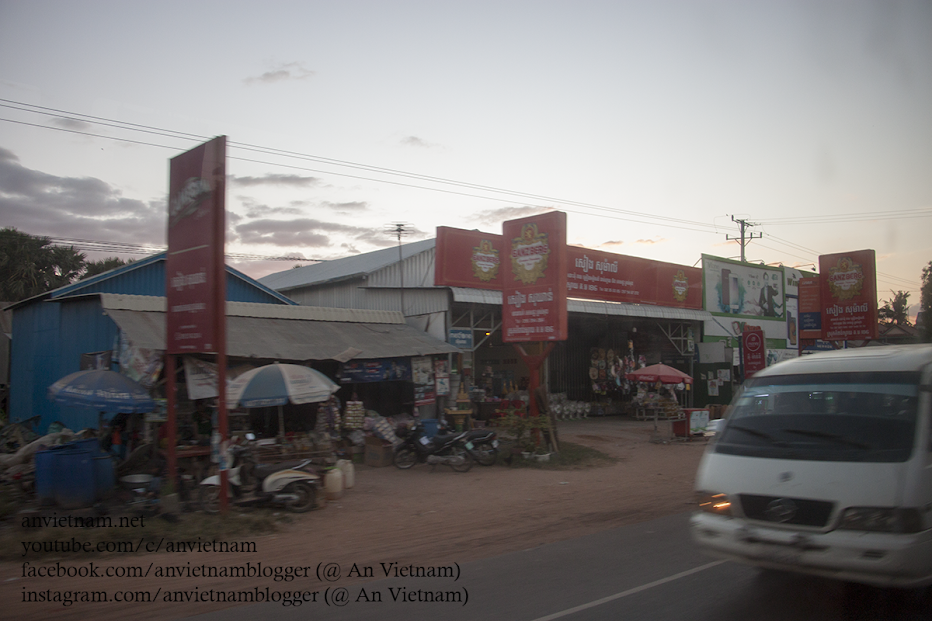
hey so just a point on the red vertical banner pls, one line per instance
(754, 350)
(195, 275)
(194, 267)
(849, 295)
(534, 279)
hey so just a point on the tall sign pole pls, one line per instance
(195, 277)
(534, 289)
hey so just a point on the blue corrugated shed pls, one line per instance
(51, 332)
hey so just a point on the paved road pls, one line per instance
(640, 572)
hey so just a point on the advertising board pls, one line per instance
(195, 286)
(534, 287)
(849, 295)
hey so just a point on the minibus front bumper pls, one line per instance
(880, 559)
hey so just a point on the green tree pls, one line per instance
(895, 311)
(31, 265)
(92, 268)
(925, 304)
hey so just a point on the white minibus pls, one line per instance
(824, 467)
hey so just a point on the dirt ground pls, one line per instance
(424, 516)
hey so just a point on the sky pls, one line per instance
(653, 125)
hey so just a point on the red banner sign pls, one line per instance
(468, 259)
(195, 285)
(477, 260)
(849, 295)
(754, 349)
(534, 275)
(596, 275)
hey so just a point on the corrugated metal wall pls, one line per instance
(50, 336)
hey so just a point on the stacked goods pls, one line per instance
(354, 415)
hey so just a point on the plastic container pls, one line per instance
(104, 475)
(88, 444)
(349, 473)
(333, 483)
(430, 426)
(75, 485)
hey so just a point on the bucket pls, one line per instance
(104, 475)
(73, 471)
(430, 426)
(333, 483)
(349, 473)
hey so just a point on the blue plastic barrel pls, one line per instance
(104, 475)
(88, 444)
(75, 486)
(430, 426)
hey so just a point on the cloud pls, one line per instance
(302, 232)
(494, 217)
(72, 124)
(283, 72)
(650, 242)
(354, 206)
(38, 203)
(414, 141)
(257, 210)
(295, 181)
(611, 244)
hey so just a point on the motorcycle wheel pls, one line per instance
(307, 497)
(459, 451)
(405, 457)
(485, 453)
(209, 498)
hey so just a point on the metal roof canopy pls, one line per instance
(270, 331)
(592, 307)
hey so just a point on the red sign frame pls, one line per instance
(754, 348)
(849, 295)
(195, 273)
(476, 260)
(534, 275)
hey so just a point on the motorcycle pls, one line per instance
(484, 443)
(450, 449)
(286, 483)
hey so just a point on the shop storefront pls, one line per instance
(624, 313)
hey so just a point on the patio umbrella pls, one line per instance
(278, 384)
(659, 373)
(102, 390)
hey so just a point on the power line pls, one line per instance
(633, 216)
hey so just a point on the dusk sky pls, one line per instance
(650, 123)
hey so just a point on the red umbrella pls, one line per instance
(659, 373)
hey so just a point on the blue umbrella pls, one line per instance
(102, 390)
(278, 384)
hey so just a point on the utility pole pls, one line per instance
(400, 230)
(743, 240)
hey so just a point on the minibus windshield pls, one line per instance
(863, 417)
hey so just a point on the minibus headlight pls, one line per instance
(717, 504)
(881, 520)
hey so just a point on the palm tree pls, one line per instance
(30, 265)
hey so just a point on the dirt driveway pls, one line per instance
(424, 516)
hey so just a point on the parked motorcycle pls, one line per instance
(448, 449)
(484, 443)
(286, 483)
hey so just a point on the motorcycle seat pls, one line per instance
(263, 470)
